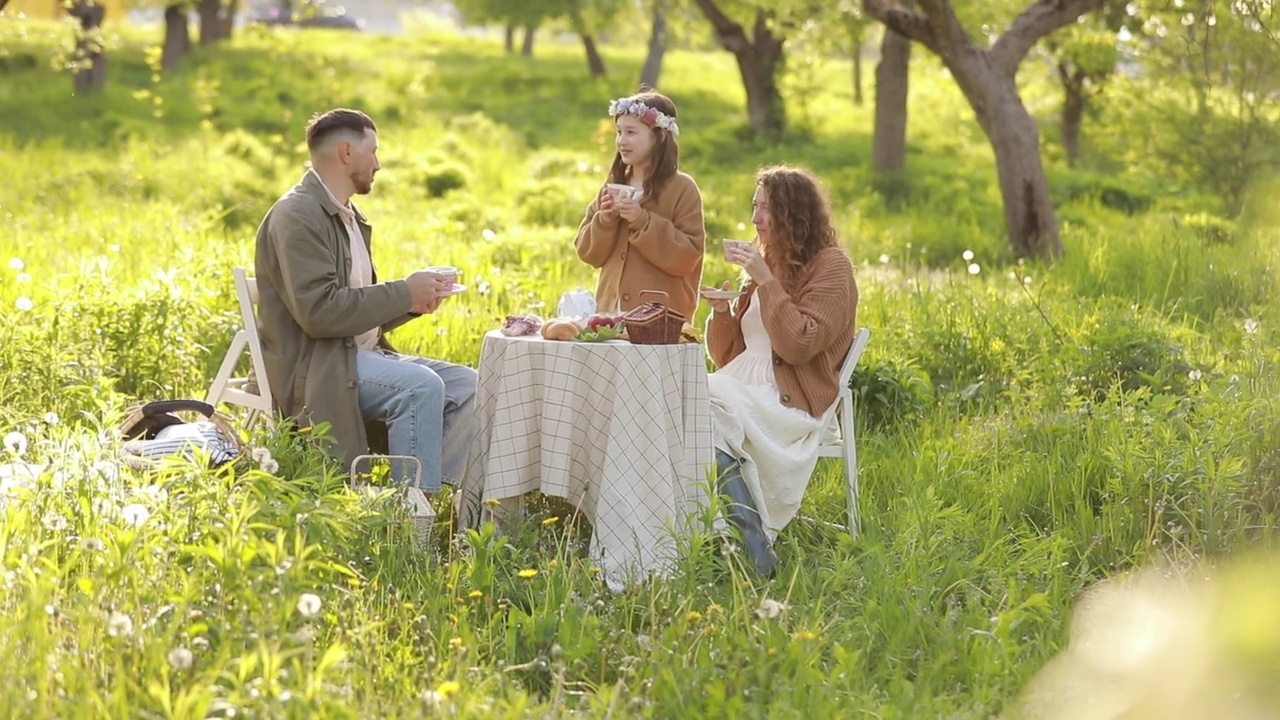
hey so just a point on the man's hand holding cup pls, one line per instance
(426, 287)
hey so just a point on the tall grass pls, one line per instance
(1026, 430)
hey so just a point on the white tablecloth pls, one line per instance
(621, 431)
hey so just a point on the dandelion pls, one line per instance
(200, 643)
(23, 278)
(94, 545)
(270, 467)
(1194, 375)
(449, 687)
(180, 658)
(24, 304)
(308, 605)
(455, 644)
(493, 502)
(551, 520)
(805, 635)
(260, 455)
(15, 442)
(1026, 280)
(1251, 326)
(693, 616)
(967, 255)
(770, 609)
(51, 418)
(119, 624)
(475, 594)
(54, 521)
(305, 635)
(527, 573)
(974, 268)
(16, 264)
(728, 549)
(488, 234)
(884, 259)
(135, 514)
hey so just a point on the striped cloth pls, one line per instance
(185, 440)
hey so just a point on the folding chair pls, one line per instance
(254, 391)
(847, 448)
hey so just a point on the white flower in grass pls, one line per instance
(1194, 375)
(135, 514)
(54, 521)
(967, 255)
(488, 234)
(119, 624)
(884, 259)
(51, 418)
(23, 278)
(200, 643)
(15, 442)
(24, 304)
(1251, 326)
(260, 454)
(270, 466)
(309, 605)
(974, 268)
(16, 264)
(770, 609)
(180, 658)
(94, 545)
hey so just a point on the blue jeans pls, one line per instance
(428, 407)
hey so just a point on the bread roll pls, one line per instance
(560, 330)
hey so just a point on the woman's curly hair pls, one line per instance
(800, 220)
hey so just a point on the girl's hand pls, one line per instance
(630, 209)
(607, 208)
(720, 306)
(751, 260)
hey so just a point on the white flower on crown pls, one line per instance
(649, 116)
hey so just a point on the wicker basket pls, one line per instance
(653, 323)
(144, 422)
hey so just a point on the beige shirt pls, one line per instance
(361, 264)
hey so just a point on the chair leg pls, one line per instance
(850, 447)
(229, 362)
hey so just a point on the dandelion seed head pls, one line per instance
(488, 234)
(884, 259)
(309, 605)
(770, 608)
(16, 264)
(1251, 326)
(974, 268)
(260, 455)
(16, 443)
(24, 304)
(54, 521)
(967, 255)
(23, 278)
(200, 643)
(135, 514)
(1194, 375)
(119, 624)
(180, 658)
(51, 418)
(270, 466)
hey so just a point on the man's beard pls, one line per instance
(362, 185)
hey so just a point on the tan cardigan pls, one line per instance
(661, 251)
(811, 332)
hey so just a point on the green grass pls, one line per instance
(1027, 430)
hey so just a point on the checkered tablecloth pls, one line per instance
(621, 431)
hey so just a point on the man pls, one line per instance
(324, 316)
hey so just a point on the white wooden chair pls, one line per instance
(847, 447)
(254, 391)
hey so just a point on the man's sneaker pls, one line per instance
(421, 514)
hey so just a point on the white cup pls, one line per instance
(733, 243)
(620, 191)
(449, 273)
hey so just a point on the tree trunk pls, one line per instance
(595, 63)
(1073, 105)
(760, 60)
(657, 46)
(217, 19)
(1030, 223)
(857, 75)
(91, 61)
(177, 37)
(509, 38)
(526, 47)
(889, 143)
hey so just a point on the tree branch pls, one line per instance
(1035, 22)
(902, 20)
(729, 34)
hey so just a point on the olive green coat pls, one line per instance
(309, 317)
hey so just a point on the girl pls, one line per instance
(644, 229)
(778, 354)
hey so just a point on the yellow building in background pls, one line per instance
(53, 9)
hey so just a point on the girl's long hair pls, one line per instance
(665, 159)
(799, 220)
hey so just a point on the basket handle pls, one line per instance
(166, 406)
(666, 296)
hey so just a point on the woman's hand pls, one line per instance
(630, 209)
(720, 306)
(751, 260)
(608, 207)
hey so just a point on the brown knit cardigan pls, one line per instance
(811, 330)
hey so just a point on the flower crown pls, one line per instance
(649, 116)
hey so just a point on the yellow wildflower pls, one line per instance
(449, 687)
(551, 520)
(693, 616)
(476, 595)
(493, 502)
(527, 573)
(805, 635)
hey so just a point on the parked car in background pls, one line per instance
(310, 16)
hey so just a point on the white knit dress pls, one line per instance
(778, 445)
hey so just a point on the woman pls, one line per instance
(644, 228)
(778, 352)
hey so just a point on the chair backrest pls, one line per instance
(247, 293)
(851, 360)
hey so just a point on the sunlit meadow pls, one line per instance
(1026, 430)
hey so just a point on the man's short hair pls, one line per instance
(324, 125)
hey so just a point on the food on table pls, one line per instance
(595, 322)
(560, 330)
(518, 325)
(690, 334)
